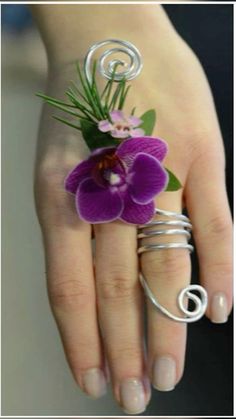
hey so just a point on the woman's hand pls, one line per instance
(97, 302)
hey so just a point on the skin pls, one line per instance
(97, 301)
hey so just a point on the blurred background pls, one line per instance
(35, 378)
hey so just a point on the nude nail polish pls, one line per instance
(132, 396)
(94, 382)
(164, 373)
(219, 308)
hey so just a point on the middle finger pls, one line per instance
(120, 312)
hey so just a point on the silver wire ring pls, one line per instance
(151, 247)
(180, 220)
(131, 69)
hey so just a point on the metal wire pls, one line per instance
(130, 70)
(165, 228)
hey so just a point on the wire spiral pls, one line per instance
(178, 224)
(131, 69)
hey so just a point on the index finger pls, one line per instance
(72, 297)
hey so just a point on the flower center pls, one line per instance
(122, 127)
(110, 170)
(114, 179)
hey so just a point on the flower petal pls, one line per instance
(137, 214)
(78, 174)
(105, 126)
(117, 116)
(102, 151)
(137, 132)
(134, 121)
(148, 178)
(149, 145)
(96, 204)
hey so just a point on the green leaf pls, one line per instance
(149, 120)
(95, 138)
(173, 184)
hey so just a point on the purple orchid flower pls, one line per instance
(122, 126)
(120, 183)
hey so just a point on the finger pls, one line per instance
(166, 271)
(72, 296)
(120, 312)
(208, 207)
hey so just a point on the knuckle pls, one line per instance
(202, 153)
(69, 295)
(117, 286)
(50, 187)
(166, 263)
(125, 353)
(218, 226)
(222, 270)
(50, 176)
(54, 205)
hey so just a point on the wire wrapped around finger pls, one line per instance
(171, 224)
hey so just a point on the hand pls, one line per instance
(99, 311)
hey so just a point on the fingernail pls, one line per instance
(164, 373)
(132, 395)
(95, 383)
(219, 308)
(147, 388)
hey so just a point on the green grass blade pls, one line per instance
(76, 100)
(124, 98)
(90, 115)
(105, 89)
(86, 87)
(95, 92)
(59, 102)
(122, 93)
(78, 92)
(62, 108)
(66, 122)
(92, 87)
(107, 98)
(115, 97)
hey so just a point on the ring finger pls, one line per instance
(167, 271)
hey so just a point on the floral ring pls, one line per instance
(124, 172)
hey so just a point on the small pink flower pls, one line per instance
(121, 126)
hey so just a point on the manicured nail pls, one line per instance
(147, 388)
(164, 373)
(133, 397)
(95, 383)
(219, 308)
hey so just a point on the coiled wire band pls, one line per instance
(131, 69)
(175, 224)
